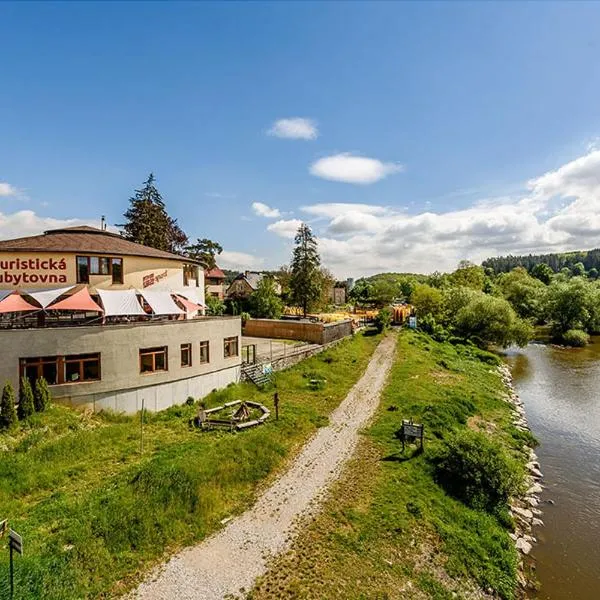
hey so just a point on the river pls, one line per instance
(561, 392)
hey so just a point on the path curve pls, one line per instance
(228, 562)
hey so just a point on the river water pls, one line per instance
(561, 392)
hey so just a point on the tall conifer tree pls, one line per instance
(305, 279)
(148, 222)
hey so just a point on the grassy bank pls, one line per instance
(389, 530)
(95, 513)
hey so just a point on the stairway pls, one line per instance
(254, 373)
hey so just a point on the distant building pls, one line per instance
(214, 280)
(338, 294)
(245, 284)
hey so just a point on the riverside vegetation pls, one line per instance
(95, 514)
(417, 525)
(488, 308)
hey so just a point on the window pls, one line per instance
(74, 368)
(82, 367)
(40, 366)
(230, 347)
(99, 265)
(204, 353)
(83, 270)
(190, 272)
(153, 359)
(186, 355)
(116, 267)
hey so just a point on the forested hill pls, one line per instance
(503, 264)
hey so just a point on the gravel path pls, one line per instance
(228, 562)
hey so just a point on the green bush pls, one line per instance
(383, 319)
(429, 325)
(472, 468)
(8, 414)
(41, 395)
(576, 338)
(25, 408)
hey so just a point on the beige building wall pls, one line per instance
(122, 386)
(46, 270)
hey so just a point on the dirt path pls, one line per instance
(228, 563)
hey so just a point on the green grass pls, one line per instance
(388, 529)
(95, 514)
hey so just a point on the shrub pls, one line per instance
(25, 408)
(383, 319)
(41, 395)
(8, 414)
(429, 325)
(477, 471)
(190, 401)
(576, 338)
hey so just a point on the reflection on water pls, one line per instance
(561, 392)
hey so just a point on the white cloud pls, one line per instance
(295, 128)
(264, 210)
(557, 211)
(6, 189)
(26, 222)
(353, 169)
(229, 259)
(336, 209)
(285, 228)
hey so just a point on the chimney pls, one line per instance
(103, 223)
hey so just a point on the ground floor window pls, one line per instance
(186, 355)
(153, 359)
(82, 367)
(230, 346)
(204, 354)
(73, 368)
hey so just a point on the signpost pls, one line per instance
(15, 544)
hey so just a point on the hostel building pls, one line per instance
(109, 322)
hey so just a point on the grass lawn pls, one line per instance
(95, 514)
(388, 530)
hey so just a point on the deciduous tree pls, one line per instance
(264, 302)
(205, 251)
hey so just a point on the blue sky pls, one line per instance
(421, 133)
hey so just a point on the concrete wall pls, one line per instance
(122, 385)
(59, 270)
(315, 333)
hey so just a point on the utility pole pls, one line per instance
(142, 429)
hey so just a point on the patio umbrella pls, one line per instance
(15, 303)
(80, 300)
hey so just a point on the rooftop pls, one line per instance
(215, 273)
(85, 239)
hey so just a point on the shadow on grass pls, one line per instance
(403, 456)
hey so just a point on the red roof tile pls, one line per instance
(215, 273)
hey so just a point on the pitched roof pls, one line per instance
(215, 273)
(253, 279)
(88, 240)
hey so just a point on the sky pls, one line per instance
(409, 136)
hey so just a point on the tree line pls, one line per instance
(586, 262)
(474, 303)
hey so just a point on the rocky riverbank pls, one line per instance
(524, 509)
